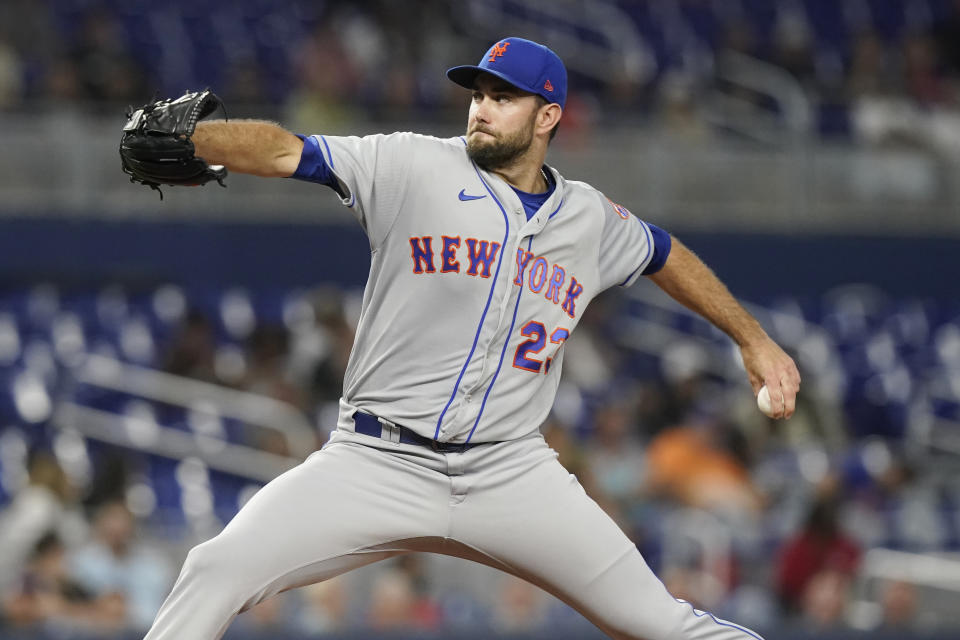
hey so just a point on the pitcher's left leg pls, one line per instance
(525, 514)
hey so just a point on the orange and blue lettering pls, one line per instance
(523, 259)
(569, 302)
(538, 274)
(422, 254)
(553, 291)
(448, 256)
(482, 253)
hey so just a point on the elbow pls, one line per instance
(288, 159)
(285, 164)
(280, 162)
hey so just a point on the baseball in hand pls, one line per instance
(763, 401)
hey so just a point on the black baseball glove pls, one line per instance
(156, 148)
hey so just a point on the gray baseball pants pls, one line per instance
(360, 499)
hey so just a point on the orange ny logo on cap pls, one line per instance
(498, 50)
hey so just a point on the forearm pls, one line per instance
(248, 146)
(686, 279)
(690, 282)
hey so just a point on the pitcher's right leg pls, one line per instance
(340, 509)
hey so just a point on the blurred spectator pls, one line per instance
(874, 70)
(191, 351)
(793, 45)
(824, 599)
(61, 83)
(688, 394)
(395, 603)
(819, 551)
(678, 111)
(339, 59)
(324, 607)
(243, 82)
(898, 602)
(589, 360)
(924, 81)
(270, 618)
(888, 503)
(391, 602)
(267, 369)
(426, 612)
(570, 453)
(399, 91)
(108, 72)
(48, 597)
(328, 83)
(47, 503)
(689, 464)
(111, 475)
(519, 606)
(902, 98)
(11, 75)
(615, 457)
(696, 586)
(338, 332)
(27, 28)
(116, 562)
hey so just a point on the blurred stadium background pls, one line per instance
(161, 360)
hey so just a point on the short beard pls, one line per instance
(503, 150)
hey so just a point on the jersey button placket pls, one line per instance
(508, 305)
(493, 345)
(509, 297)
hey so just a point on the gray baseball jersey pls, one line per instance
(468, 303)
(460, 339)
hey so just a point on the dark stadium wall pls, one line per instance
(264, 256)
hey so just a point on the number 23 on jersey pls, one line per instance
(537, 334)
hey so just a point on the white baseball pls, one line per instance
(763, 401)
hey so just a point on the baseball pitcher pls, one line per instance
(483, 260)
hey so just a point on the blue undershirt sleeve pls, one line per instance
(313, 167)
(661, 249)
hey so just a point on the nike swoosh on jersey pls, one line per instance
(463, 196)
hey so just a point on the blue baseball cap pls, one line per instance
(524, 64)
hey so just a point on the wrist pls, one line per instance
(751, 336)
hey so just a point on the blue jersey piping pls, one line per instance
(555, 211)
(327, 147)
(649, 253)
(503, 352)
(506, 342)
(353, 196)
(719, 621)
(486, 308)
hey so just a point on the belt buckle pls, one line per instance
(448, 447)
